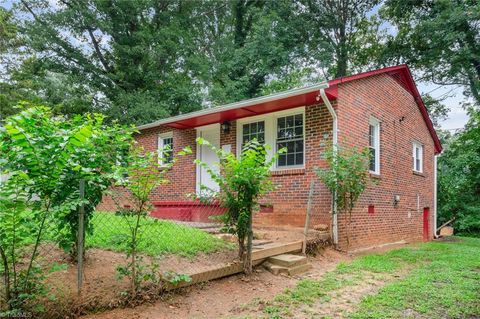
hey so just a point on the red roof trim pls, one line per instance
(407, 81)
(400, 73)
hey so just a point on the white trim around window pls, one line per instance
(417, 155)
(374, 145)
(270, 123)
(163, 140)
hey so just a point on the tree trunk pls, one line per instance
(241, 247)
(6, 275)
(248, 256)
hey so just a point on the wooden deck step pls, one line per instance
(259, 255)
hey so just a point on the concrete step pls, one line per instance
(275, 269)
(291, 271)
(288, 260)
(300, 269)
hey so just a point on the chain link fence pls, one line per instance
(175, 241)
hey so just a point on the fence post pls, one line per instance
(307, 217)
(81, 219)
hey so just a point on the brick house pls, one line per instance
(381, 110)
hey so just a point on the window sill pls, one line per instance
(418, 173)
(374, 175)
(288, 171)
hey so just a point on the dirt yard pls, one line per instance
(226, 297)
(101, 286)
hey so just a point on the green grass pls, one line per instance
(442, 280)
(158, 237)
(447, 286)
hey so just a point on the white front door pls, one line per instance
(210, 133)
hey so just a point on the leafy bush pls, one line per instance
(46, 156)
(140, 177)
(242, 182)
(346, 177)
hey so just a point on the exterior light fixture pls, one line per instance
(226, 127)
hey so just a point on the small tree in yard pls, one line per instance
(46, 156)
(139, 178)
(242, 182)
(346, 178)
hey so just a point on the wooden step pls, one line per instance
(274, 249)
(288, 260)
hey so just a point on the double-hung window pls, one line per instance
(417, 157)
(290, 135)
(255, 130)
(165, 148)
(374, 146)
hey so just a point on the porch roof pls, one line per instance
(293, 98)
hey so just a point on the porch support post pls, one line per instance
(329, 106)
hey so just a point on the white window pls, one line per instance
(374, 145)
(254, 130)
(290, 136)
(165, 148)
(417, 157)
(283, 129)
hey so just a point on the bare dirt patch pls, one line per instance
(101, 286)
(340, 302)
(226, 297)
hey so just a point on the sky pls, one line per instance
(457, 117)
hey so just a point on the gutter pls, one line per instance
(335, 149)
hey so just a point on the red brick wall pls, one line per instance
(382, 98)
(290, 198)
(181, 177)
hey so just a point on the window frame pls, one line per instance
(161, 145)
(376, 124)
(276, 140)
(270, 120)
(418, 145)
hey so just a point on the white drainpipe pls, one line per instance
(335, 147)
(435, 196)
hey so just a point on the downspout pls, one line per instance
(435, 196)
(335, 147)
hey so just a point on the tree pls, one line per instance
(459, 179)
(437, 110)
(133, 60)
(439, 39)
(38, 152)
(242, 182)
(139, 178)
(339, 31)
(346, 178)
(95, 161)
(9, 45)
(247, 43)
